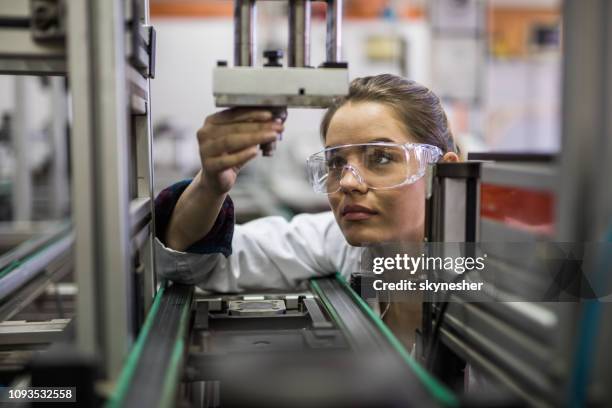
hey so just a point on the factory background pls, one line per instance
(497, 69)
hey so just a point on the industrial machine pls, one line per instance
(101, 259)
(127, 340)
(273, 85)
(322, 347)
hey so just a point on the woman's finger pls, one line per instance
(245, 127)
(239, 141)
(218, 164)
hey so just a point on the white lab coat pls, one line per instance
(269, 253)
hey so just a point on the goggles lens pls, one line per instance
(379, 165)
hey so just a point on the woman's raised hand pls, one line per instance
(228, 140)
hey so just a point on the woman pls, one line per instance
(378, 139)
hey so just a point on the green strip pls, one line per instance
(10, 267)
(169, 391)
(18, 262)
(128, 371)
(438, 390)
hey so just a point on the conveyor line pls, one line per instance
(27, 261)
(152, 374)
(367, 332)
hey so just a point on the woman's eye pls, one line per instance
(335, 162)
(379, 158)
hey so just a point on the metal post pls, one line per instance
(22, 180)
(585, 112)
(333, 40)
(144, 152)
(299, 33)
(99, 152)
(80, 67)
(584, 208)
(244, 33)
(59, 171)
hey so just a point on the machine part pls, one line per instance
(21, 332)
(256, 307)
(14, 277)
(319, 321)
(292, 301)
(306, 366)
(248, 86)
(278, 113)
(32, 245)
(282, 87)
(24, 51)
(366, 332)
(244, 32)
(150, 377)
(26, 294)
(333, 41)
(273, 58)
(48, 22)
(299, 33)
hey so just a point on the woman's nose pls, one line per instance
(351, 180)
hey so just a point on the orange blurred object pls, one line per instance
(193, 8)
(519, 208)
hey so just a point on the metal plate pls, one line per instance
(256, 307)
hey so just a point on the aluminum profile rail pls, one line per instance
(25, 263)
(366, 332)
(152, 374)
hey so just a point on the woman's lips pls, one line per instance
(357, 213)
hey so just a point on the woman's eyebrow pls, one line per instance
(383, 139)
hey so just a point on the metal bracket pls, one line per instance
(48, 21)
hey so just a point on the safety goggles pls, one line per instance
(380, 165)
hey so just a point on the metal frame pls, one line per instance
(108, 94)
(112, 176)
(584, 212)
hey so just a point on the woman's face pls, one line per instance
(369, 216)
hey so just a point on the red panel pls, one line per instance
(519, 208)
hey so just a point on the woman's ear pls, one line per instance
(450, 157)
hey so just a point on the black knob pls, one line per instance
(273, 58)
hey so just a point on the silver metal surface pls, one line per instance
(80, 65)
(479, 360)
(31, 267)
(144, 182)
(22, 178)
(256, 307)
(9, 8)
(244, 33)
(333, 40)
(267, 86)
(32, 66)
(275, 100)
(541, 177)
(140, 213)
(20, 332)
(454, 210)
(60, 188)
(584, 207)
(18, 43)
(299, 33)
(100, 202)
